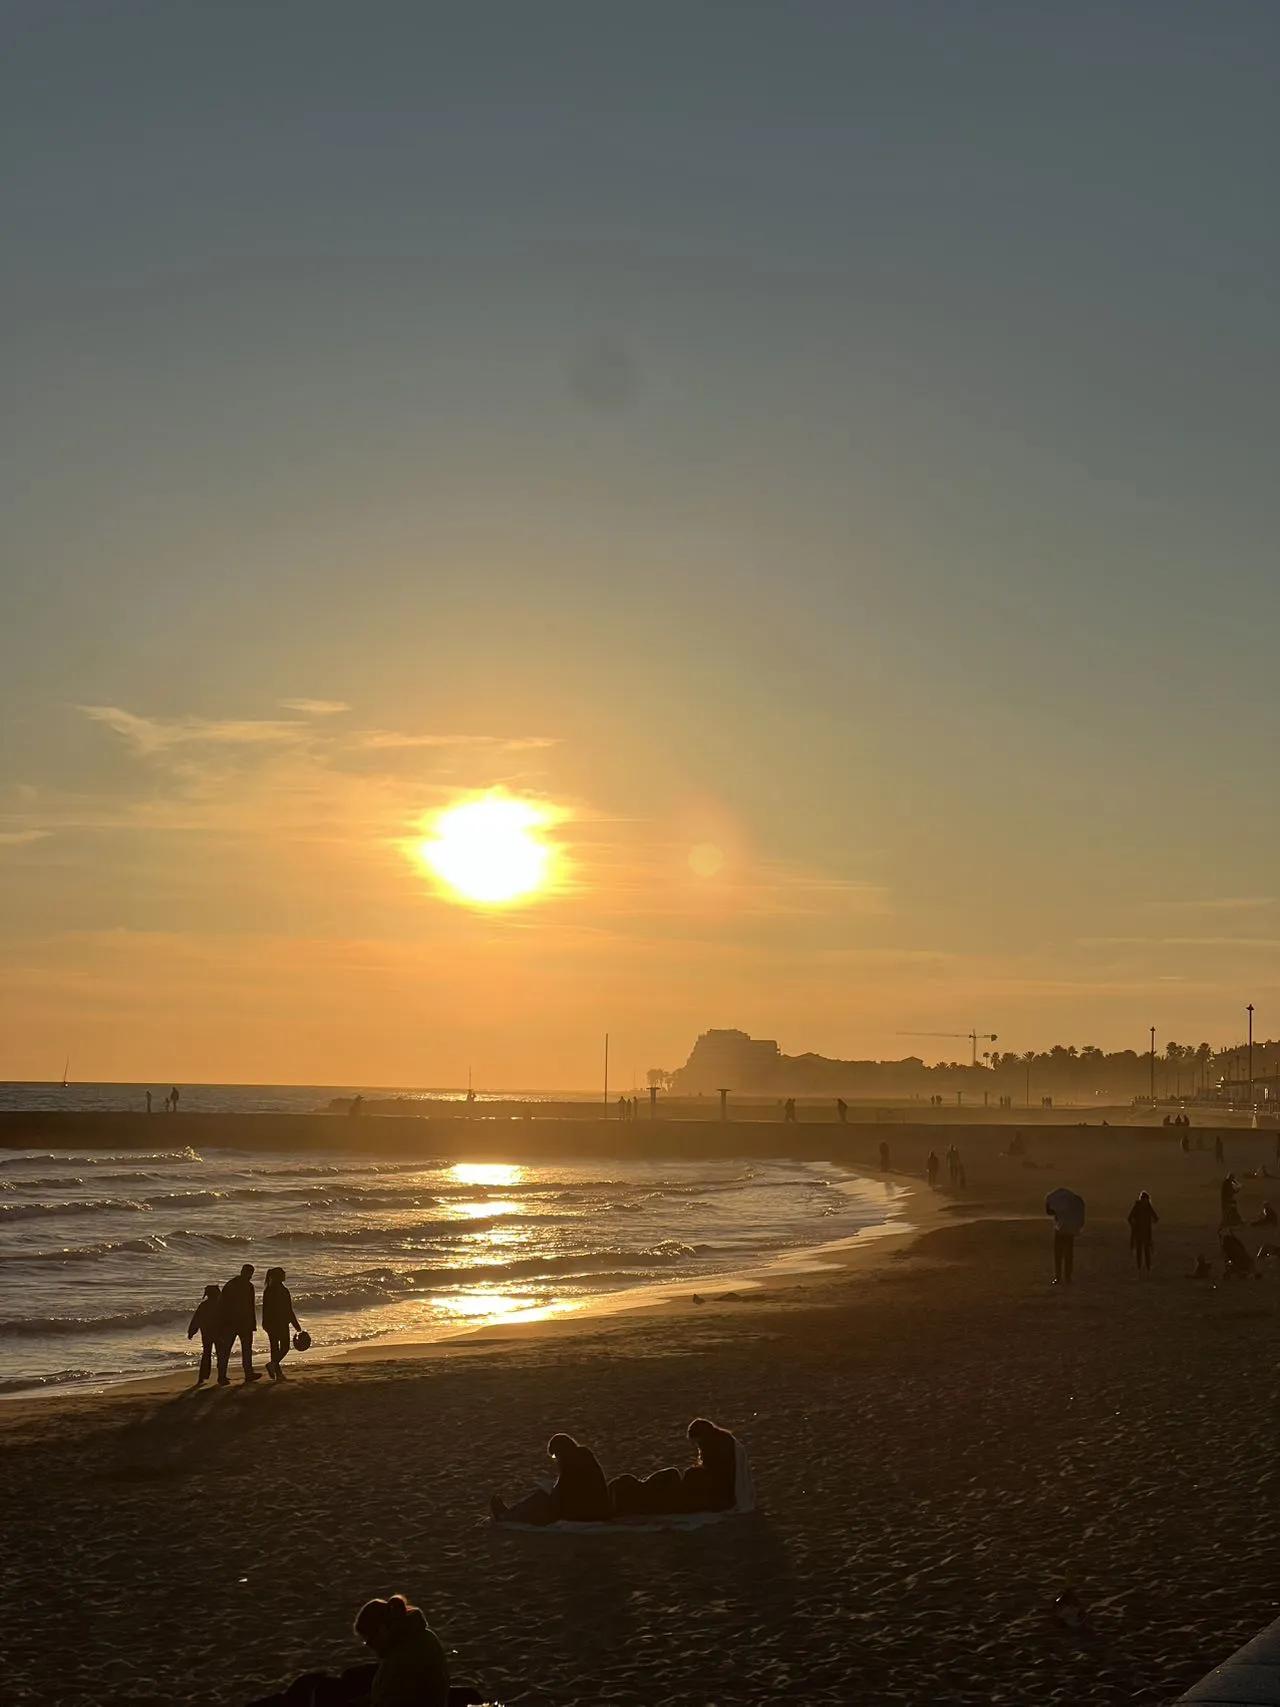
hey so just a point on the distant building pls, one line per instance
(732, 1059)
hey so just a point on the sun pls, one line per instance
(490, 852)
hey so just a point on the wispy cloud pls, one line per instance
(388, 740)
(21, 838)
(148, 735)
(316, 707)
(1214, 904)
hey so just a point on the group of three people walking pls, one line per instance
(229, 1313)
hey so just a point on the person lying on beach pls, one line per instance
(709, 1484)
(207, 1322)
(580, 1494)
(277, 1319)
(410, 1671)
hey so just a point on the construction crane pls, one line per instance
(974, 1037)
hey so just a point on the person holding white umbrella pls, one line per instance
(1067, 1210)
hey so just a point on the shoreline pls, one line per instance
(829, 1258)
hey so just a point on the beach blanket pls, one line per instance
(744, 1501)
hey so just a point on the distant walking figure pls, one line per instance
(580, 1494)
(1067, 1209)
(953, 1163)
(842, 1109)
(931, 1168)
(173, 1099)
(884, 1155)
(277, 1319)
(1228, 1192)
(1142, 1220)
(207, 1322)
(239, 1322)
(148, 1102)
(789, 1110)
(1219, 1154)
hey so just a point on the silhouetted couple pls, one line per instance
(411, 1669)
(717, 1481)
(229, 1314)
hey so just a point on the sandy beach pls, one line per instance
(941, 1443)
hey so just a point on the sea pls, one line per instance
(104, 1256)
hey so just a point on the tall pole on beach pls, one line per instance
(1153, 1066)
(606, 1072)
(1249, 1011)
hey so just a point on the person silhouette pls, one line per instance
(148, 1102)
(1142, 1220)
(239, 1322)
(277, 1319)
(207, 1322)
(931, 1168)
(789, 1111)
(173, 1100)
(884, 1156)
(842, 1110)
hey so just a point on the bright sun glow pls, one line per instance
(490, 852)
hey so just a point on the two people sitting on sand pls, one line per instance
(718, 1480)
(411, 1669)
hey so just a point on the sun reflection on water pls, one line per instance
(486, 1173)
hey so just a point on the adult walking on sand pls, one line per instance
(207, 1322)
(1067, 1209)
(173, 1100)
(884, 1156)
(277, 1319)
(1142, 1220)
(239, 1322)
(148, 1102)
(931, 1168)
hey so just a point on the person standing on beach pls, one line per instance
(931, 1168)
(1067, 1209)
(173, 1099)
(239, 1322)
(277, 1319)
(1219, 1154)
(207, 1322)
(884, 1155)
(148, 1102)
(842, 1110)
(789, 1111)
(1142, 1220)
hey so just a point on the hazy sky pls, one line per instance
(841, 433)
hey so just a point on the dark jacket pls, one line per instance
(277, 1307)
(239, 1308)
(1142, 1218)
(206, 1319)
(581, 1492)
(415, 1672)
(719, 1454)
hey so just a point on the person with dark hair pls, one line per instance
(411, 1669)
(708, 1485)
(1142, 1220)
(207, 1322)
(277, 1319)
(239, 1322)
(580, 1494)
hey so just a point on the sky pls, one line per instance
(840, 436)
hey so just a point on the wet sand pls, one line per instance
(941, 1442)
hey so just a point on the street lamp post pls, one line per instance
(1249, 1011)
(1153, 1066)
